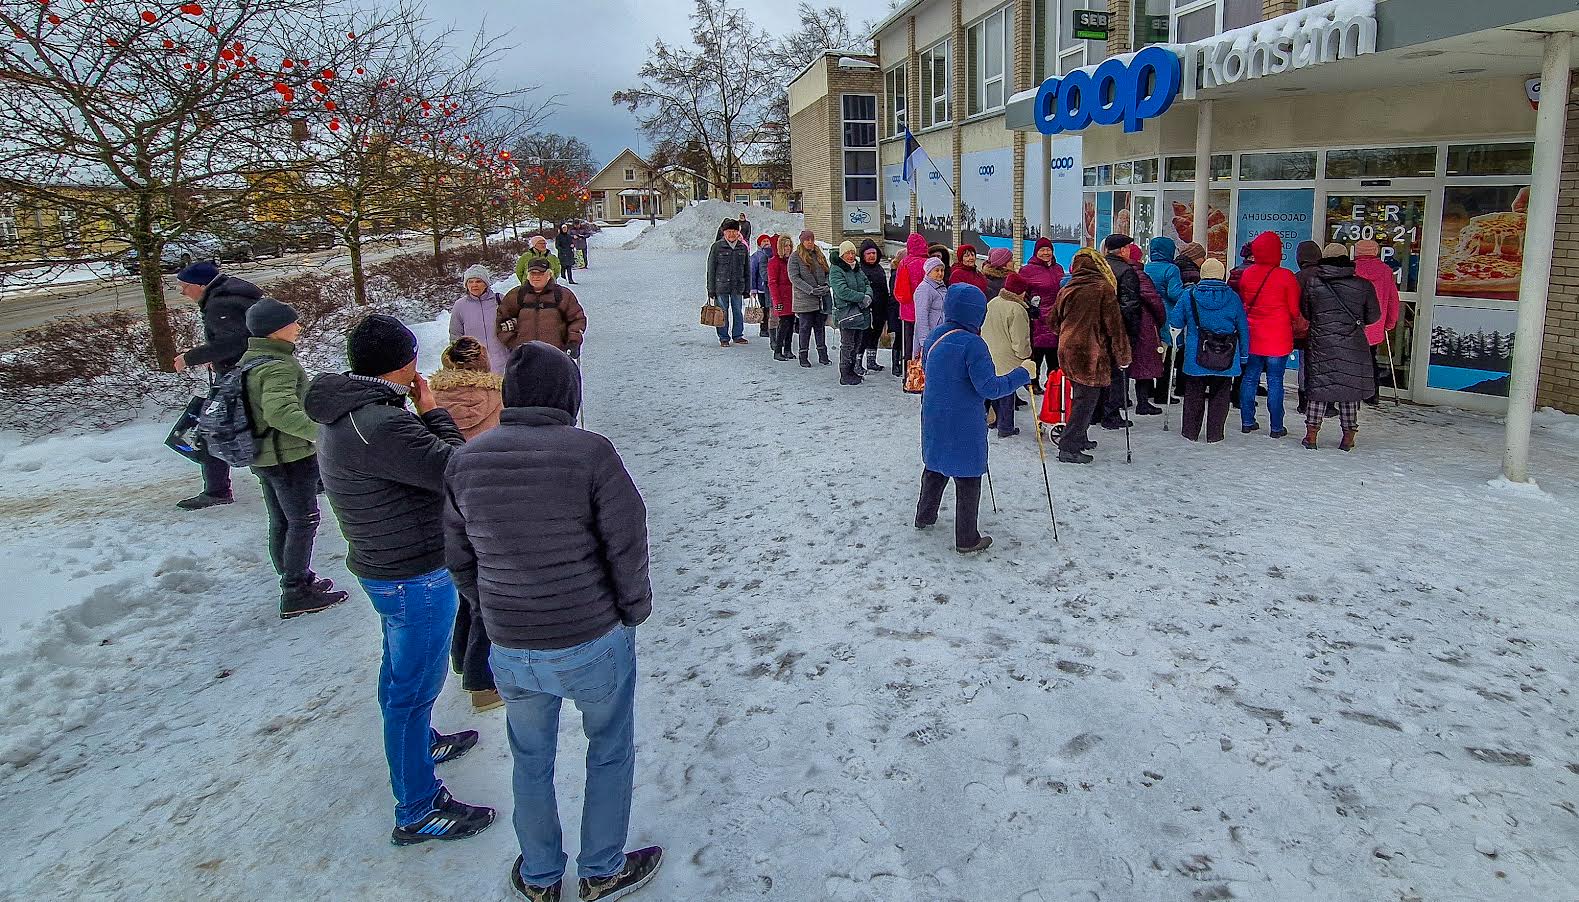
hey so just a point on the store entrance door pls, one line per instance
(1397, 222)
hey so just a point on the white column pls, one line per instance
(1540, 228)
(1047, 185)
(1203, 174)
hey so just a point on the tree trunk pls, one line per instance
(358, 275)
(153, 298)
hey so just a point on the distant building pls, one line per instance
(629, 188)
(834, 105)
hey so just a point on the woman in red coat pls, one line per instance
(1271, 296)
(781, 294)
(965, 272)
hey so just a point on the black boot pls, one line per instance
(198, 502)
(871, 362)
(309, 599)
(803, 359)
(822, 357)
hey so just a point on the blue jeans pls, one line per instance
(600, 677)
(1254, 367)
(734, 305)
(417, 615)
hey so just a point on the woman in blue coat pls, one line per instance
(1212, 305)
(960, 378)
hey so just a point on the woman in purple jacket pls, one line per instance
(474, 315)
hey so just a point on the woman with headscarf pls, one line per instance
(1339, 305)
(808, 273)
(1092, 344)
(882, 300)
(1368, 265)
(960, 379)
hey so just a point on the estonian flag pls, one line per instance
(915, 156)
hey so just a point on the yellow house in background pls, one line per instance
(38, 232)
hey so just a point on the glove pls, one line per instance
(1030, 367)
(574, 352)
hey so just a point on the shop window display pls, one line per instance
(1482, 252)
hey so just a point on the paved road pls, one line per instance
(25, 310)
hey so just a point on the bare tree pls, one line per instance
(153, 122)
(709, 93)
(555, 170)
(818, 31)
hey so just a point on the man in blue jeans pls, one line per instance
(547, 540)
(383, 469)
(729, 281)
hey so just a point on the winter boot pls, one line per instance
(1248, 428)
(639, 868)
(822, 357)
(723, 343)
(1145, 408)
(1079, 457)
(486, 700)
(452, 746)
(198, 502)
(449, 819)
(533, 893)
(742, 340)
(871, 362)
(309, 599)
(805, 359)
(1347, 444)
(981, 545)
(1310, 437)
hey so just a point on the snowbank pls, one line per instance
(46, 274)
(1558, 424)
(696, 227)
(611, 236)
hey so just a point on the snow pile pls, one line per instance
(616, 236)
(1528, 491)
(1556, 423)
(696, 227)
(45, 274)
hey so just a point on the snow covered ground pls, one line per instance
(1247, 672)
(59, 274)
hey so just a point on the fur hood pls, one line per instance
(474, 399)
(449, 380)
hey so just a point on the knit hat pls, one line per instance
(1367, 248)
(467, 353)
(267, 316)
(959, 252)
(765, 240)
(1213, 269)
(806, 235)
(1194, 251)
(539, 264)
(731, 223)
(476, 271)
(200, 273)
(1015, 283)
(846, 247)
(999, 257)
(1042, 242)
(1334, 250)
(931, 264)
(1114, 242)
(379, 344)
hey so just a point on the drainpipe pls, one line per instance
(1203, 176)
(1540, 229)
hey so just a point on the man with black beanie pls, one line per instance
(547, 541)
(1115, 398)
(383, 469)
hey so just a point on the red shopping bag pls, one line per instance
(1057, 398)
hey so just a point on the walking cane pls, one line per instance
(1046, 484)
(581, 409)
(990, 493)
(1392, 369)
(1167, 375)
(1129, 456)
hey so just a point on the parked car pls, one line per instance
(181, 252)
(309, 236)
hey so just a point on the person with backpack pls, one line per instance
(383, 470)
(284, 455)
(546, 536)
(541, 309)
(1131, 304)
(960, 378)
(1093, 347)
(1271, 302)
(852, 311)
(222, 303)
(1216, 342)
(1340, 305)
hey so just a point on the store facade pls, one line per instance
(1342, 122)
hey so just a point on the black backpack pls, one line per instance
(1214, 350)
(225, 424)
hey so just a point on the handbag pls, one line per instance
(183, 438)
(1213, 350)
(754, 312)
(915, 372)
(713, 315)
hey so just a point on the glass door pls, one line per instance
(1397, 222)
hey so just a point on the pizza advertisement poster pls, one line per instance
(1178, 221)
(1482, 253)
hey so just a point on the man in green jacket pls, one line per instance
(287, 459)
(537, 251)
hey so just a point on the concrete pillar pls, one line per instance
(956, 116)
(1203, 175)
(912, 106)
(1047, 187)
(1540, 232)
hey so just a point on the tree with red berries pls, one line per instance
(155, 119)
(555, 170)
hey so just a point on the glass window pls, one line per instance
(1090, 177)
(860, 189)
(1482, 243)
(1297, 165)
(987, 54)
(935, 85)
(1195, 26)
(860, 134)
(1149, 22)
(1387, 162)
(1145, 172)
(1105, 175)
(860, 107)
(1123, 173)
(630, 175)
(1182, 169)
(860, 162)
(1396, 223)
(1490, 159)
(8, 232)
(1239, 13)
(894, 87)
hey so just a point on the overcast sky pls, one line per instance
(585, 50)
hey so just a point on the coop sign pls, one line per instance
(1319, 36)
(1120, 90)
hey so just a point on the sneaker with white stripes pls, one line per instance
(449, 746)
(449, 819)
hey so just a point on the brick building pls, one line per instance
(834, 105)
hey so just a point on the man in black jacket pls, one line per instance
(547, 540)
(222, 302)
(1115, 398)
(729, 280)
(383, 469)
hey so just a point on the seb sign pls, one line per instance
(1144, 85)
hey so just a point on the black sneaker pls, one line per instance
(981, 545)
(639, 868)
(448, 748)
(1249, 428)
(198, 502)
(310, 600)
(528, 891)
(1147, 409)
(449, 819)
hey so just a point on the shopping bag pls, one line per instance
(753, 312)
(183, 435)
(713, 315)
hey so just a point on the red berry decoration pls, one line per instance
(287, 63)
(112, 42)
(54, 19)
(320, 87)
(149, 17)
(334, 125)
(329, 105)
(328, 74)
(351, 35)
(192, 9)
(212, 29)
(227, 55)
(168, 44)
(360, 71)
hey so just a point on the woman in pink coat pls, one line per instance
(1368, 265)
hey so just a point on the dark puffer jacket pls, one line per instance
(1339, 305)
(223, 308)
(728, 268)
(546, 532)
(383, 469)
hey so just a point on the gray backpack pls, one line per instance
(225, 426)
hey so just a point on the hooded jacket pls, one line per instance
(852, 295)
(1164, 273)
(1337, 359)
(965, 275)
(780, 291)
(1220, 311)
(995, 276)
(553, 315)
(929, 296)
(223, 308)
(1007, 331)
(383, 469)
(1382, 278)
(274, 403)
(472, 398)
(759, 271)
(1091, 334)
(545, 533)
(810, 280)
(478, 317)
(960, 376)
(910, 275)
(565, 247)
(532, 254)
(1271, 298)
